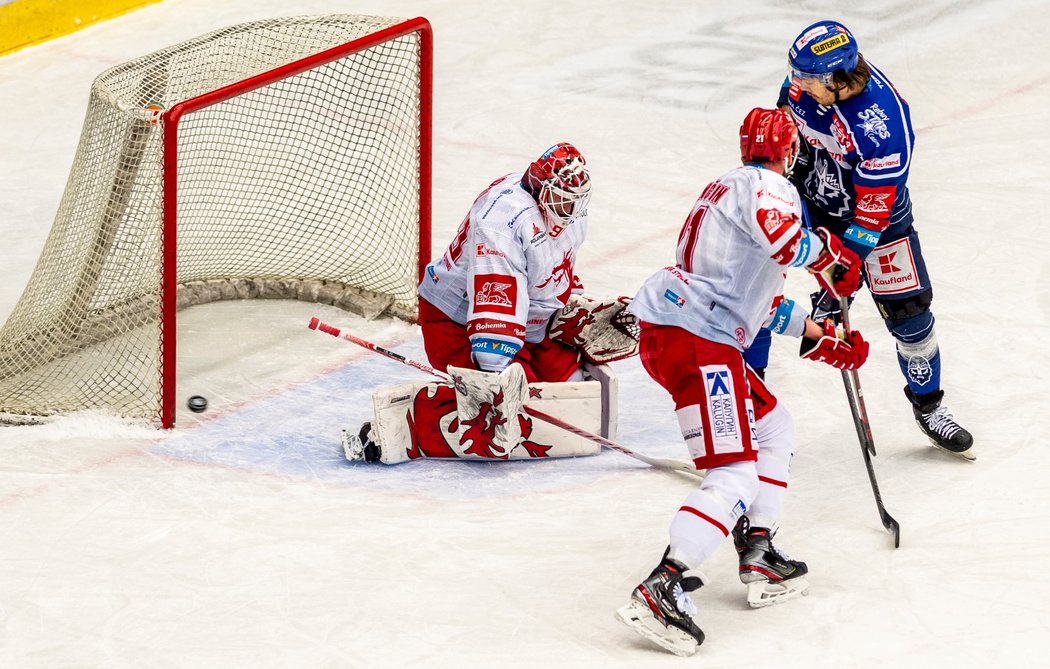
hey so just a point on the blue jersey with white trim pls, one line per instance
(859, 154)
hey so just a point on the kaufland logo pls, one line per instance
(674, 298)
(886, 265)
(892, 275)
(892, 160)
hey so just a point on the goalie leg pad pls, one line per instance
(488, 405)
(422, 420)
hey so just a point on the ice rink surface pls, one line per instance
(244, 539)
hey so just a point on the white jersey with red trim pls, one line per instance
(505, 273)
(741, 235)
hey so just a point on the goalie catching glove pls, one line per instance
(837, 269)
(603, 331)
(842, 350)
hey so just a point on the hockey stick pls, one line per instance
(867, 442)
(661, 463)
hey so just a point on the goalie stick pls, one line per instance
(660, 463)
(851, 380)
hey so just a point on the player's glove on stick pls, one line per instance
(837, 268)
(840, 350)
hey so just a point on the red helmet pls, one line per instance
(768, 135)
(559, 181)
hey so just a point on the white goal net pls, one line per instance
(286, 158)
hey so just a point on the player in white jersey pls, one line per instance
(501, 312)
(697, 318)
(488, 299)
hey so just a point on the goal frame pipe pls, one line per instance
(170, 124)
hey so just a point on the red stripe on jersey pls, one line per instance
(787, 252)
(766, 479)
(701, 514)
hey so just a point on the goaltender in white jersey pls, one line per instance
(501, 312)
(697, 318)
(520, 272)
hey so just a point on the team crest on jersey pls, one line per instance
(495, 292)
(891, 269)
(560, 272)
(873, 123)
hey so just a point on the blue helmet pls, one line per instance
(822, 48)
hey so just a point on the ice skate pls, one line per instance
(770, 575)
(662, 611)
(937, 423)
(360, 446)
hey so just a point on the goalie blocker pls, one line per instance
(479, 417)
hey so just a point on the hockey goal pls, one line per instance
(285, 158)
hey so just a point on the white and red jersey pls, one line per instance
(505, 273)
(741, 235)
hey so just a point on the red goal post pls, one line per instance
(285, 158)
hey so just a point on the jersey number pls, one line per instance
(714, 192)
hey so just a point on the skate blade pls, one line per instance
(764, 593)
(967, 455)
(638, 617)
(353, 449)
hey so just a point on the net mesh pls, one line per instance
(306, 187)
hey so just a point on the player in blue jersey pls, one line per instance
(853, 177)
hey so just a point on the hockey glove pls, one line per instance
(837, 268)
(840, 350)
(603, 331)
(825, 305)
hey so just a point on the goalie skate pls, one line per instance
(360, 446)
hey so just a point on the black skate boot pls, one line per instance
(360, 446)
(662, 611)
(937, 424)
(770, 575)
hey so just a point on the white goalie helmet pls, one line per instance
(560, 182)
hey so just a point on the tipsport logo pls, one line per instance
(674, 298)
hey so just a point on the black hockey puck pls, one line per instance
(197, 404)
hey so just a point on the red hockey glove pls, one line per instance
(840, 350)
(837, 268)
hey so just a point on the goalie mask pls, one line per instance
(560, 183)
(769, 136)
